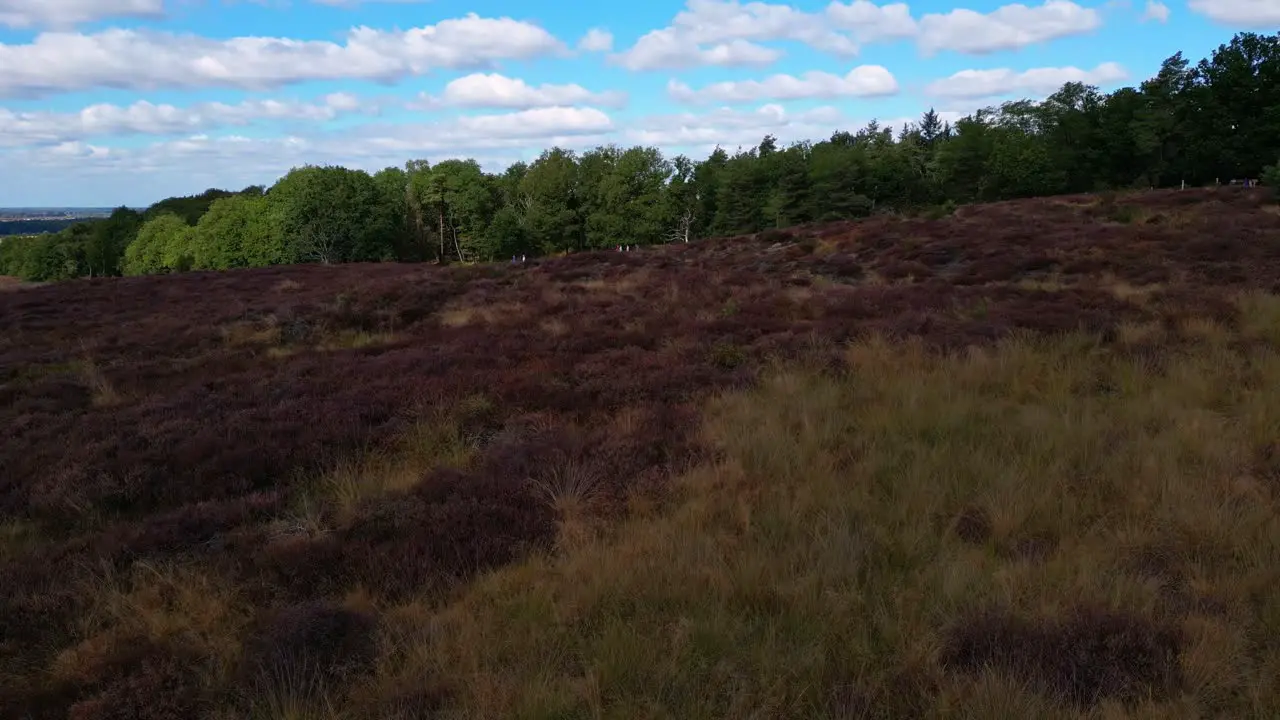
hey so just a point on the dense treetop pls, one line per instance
(1196, 124)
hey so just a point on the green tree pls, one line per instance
(1271, 178)
(239, 231)
(328, 214)
(549, 193)
(164, 244)
(104, 247)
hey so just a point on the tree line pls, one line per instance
(1197, 124)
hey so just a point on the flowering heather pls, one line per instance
(323, 442)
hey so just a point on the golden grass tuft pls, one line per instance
(1050, 283)
(247, 333)
(354, 340)
(500, 313)
(572, 489)
(554, 327)
(103, 392)
(435, 441)
(163, 604)
(1128, 292)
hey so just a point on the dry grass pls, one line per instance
(162, 606)
(435, 441)
(1046, 284)
(354, 340)
(1124, 290)
(554, 327)
(626, 286)
(247, 334)
(270, 335)
(498, 313)
(103, 391)
(1042, 529)
(572, 490)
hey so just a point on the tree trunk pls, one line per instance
(441, 257)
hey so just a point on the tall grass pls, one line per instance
(1042, 529)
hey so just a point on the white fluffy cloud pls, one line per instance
(29, 128)
(1005, 28)
(1038, 81)
(730, 128)
(62, 61)
(1155, 10)
(862, 81)
(666, 50)
(1240, 13)
(868, 22)
(727, 32)
(492, 90)
(596, 40)
(191, 163)
(67, 13)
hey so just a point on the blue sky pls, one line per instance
(106, 102)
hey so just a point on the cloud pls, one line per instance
(869, 22)
(192, 163)
(596, 40)
(1155, 10)
(666, 50)
(862, 81)
(68, 13)
(728, 32)
(731, 128)
(1006, 28)
(1239, 13)
(480, 90)
(1003, 81)
(135, 59)
(489, 131)
(460, 134)
(143, 118)
(731, 33)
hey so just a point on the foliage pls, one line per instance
(239, 231)
(1197, 124)
(164, 244)
(328, 214)
(1271, 178)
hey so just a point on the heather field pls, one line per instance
(1019, 461)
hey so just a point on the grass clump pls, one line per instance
(437, 440)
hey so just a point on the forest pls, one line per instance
(1212, 122)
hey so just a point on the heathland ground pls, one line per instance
(1020, 461)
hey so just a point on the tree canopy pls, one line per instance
(1198, 124)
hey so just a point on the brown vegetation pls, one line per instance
(1019, 461)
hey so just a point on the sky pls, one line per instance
(110, 102)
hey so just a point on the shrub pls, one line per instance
(1271, 178)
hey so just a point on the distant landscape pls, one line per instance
(33, 221)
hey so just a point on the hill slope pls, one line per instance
(254, 491)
